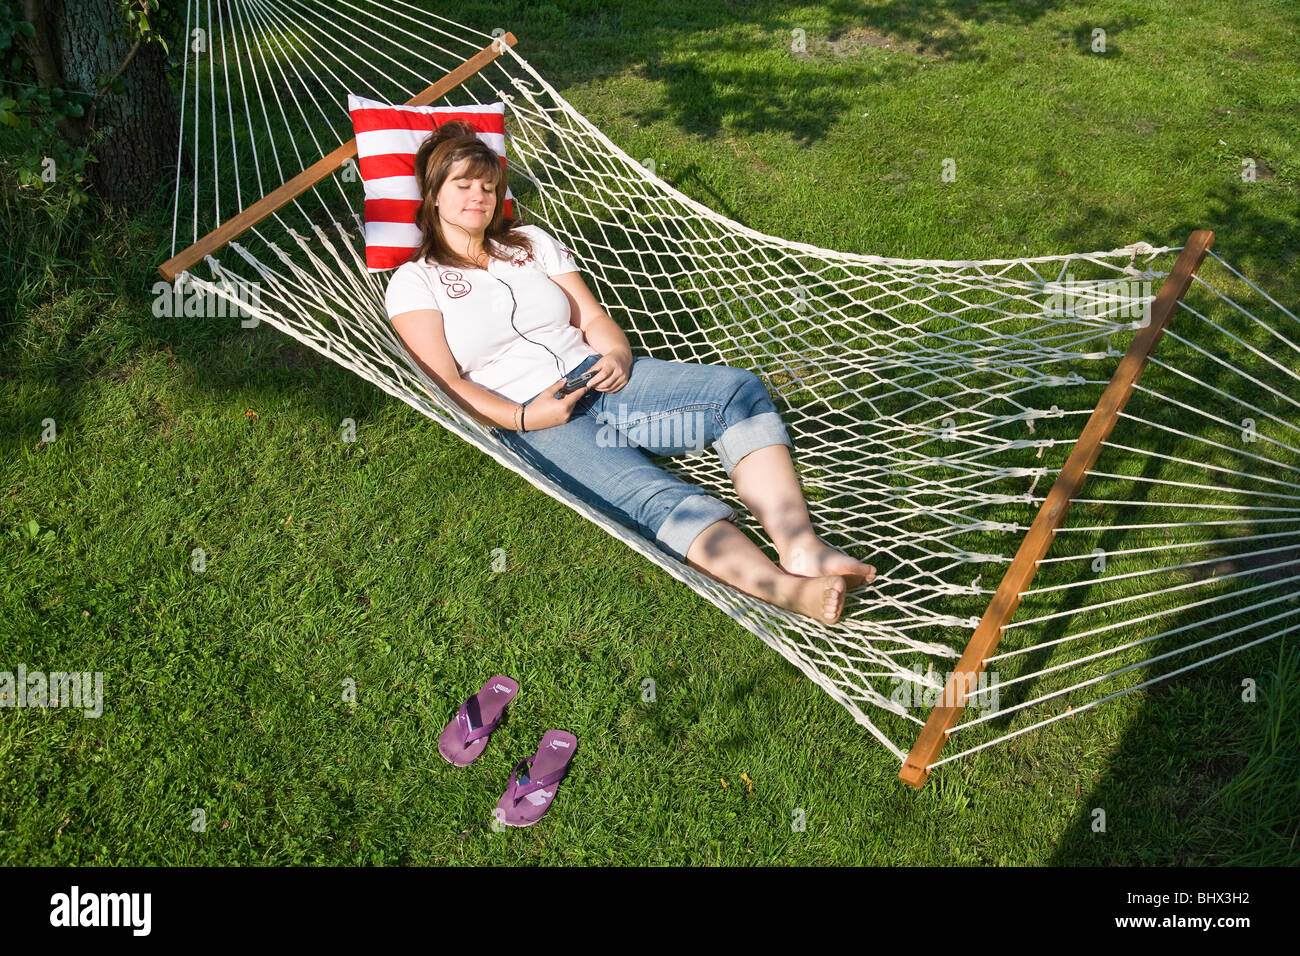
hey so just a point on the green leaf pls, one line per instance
(32, 527)
(26, 28)
(74, 109)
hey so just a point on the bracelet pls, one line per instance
(515, 417)
(521, 418)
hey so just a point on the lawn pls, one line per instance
(330, 565)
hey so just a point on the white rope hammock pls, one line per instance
(931, 403)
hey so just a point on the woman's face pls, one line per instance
(465, 202)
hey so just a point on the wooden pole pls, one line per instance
(318, 170)
(1051, 516)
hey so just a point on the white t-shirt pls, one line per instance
(515, 360)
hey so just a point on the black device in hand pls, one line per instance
(573, 384)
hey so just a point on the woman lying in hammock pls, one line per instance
(501, 326)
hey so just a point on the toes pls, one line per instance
(810, 564)
(844, 564)
(857, 575)
(832, 600)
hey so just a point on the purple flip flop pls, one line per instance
(533, 782)
(464, 738)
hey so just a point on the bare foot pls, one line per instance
(812, 557)
(820, 598)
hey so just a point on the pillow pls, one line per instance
(388, 137)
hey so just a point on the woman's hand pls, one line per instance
(612, 371)
(547, 411)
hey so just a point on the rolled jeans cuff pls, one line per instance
(684, 523)
(757, 431)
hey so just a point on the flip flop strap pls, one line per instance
(518, 792)
(468, 735)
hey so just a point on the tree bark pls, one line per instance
(46, 63)
(133, 132)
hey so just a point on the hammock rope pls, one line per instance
(933, 403)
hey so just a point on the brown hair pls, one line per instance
(443, 149)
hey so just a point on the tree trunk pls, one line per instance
(134, 132)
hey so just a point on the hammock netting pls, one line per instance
(931, 403)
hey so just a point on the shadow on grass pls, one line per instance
(699, 92)
(1217, 788)
(1195, 778)
(1208, 782)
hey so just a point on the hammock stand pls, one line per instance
(1036, 543)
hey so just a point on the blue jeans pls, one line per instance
(602, 453)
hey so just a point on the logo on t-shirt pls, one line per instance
(523, 260)
(456, 284)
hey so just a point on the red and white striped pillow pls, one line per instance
(387, 140)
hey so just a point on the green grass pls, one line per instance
(371, 561)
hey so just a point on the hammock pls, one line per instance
(944, 413)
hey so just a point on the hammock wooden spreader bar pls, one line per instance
(1051, 515)
(318, 170)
